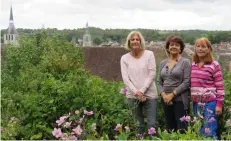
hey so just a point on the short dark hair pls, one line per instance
(175, 39)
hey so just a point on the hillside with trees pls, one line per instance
(119, 35)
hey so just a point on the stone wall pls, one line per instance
(105, 61)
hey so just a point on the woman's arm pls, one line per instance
(159, 79)
(125, 76)
(186, 78)
(151, 73)
(219, 84)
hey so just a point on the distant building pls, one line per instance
(80, 42)
(86, 37)
(11, 34)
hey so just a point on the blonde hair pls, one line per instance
(142, 41)
(209, 57)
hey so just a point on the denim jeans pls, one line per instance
(138, 109)
(208, 112)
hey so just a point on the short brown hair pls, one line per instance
(175, 39)
(209, 57)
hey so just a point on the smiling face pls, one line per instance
(174, 48)
(135, 41)
(202, 49)
(174, 45)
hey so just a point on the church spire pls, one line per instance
(86, 29)
(11, 34)
(11, 14)
(11, 28)
(86, 37)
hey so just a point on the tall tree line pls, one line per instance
(119, 35)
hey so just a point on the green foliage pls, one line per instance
(227, 82)
(97, 41)
(12, 130)
(119, 35)
(44, 78)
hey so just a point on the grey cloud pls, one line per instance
(119, 13)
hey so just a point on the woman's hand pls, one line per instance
(218, 111)
(163, 94)
(140, 96)
(169, 98)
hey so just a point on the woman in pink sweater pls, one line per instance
(138, 69)
(207, 87)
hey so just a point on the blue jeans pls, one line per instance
(208, 111)
(138, 109)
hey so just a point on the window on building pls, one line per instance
(6, 37)
(9, 37)
(12, 37)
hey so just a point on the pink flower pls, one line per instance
(88, 113)
(123, 91)
(228, 123)
(118, 127)
(127, 129)
(72, 138)
(207, 131)
(182, 119)
(151, 131)
(165, 131)
(201, 104)
(57, 132)
(61, 120)
(67, 124)
(78, 131)
(93, 126)
(212, 119)
(65, 136)
(187, 118)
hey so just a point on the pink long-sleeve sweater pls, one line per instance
(207, 83)
(139, 74)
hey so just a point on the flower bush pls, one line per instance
(71, 126)
(45, 77)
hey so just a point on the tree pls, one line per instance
(211, 38)
(97, 41)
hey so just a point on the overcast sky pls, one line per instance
(151, 14)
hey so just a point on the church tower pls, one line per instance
(11, 34)
(86, 37)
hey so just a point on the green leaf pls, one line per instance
(37, 136)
